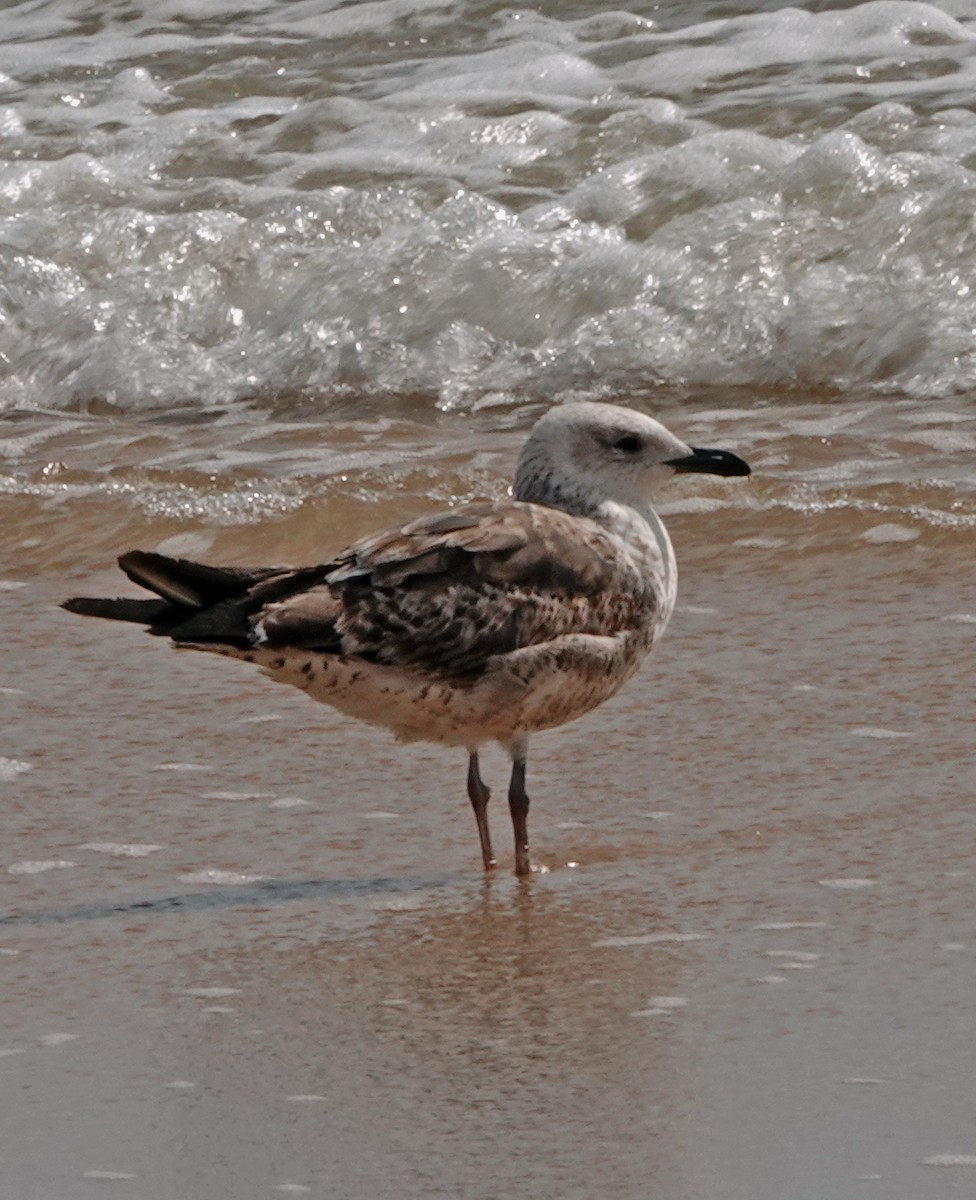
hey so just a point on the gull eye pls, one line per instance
(630, 443)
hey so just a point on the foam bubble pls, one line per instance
(777, 926)
(879, 535)
(648, 939)
(57, 1039)
(220, 877)
(39, 866)
(879, 733)
(121, 849)
(10, 768)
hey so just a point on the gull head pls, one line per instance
(580, 455)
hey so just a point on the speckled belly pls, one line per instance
(536, 688)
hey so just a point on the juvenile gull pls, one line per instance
(484, 623)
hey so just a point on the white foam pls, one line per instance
(879, 535)
(231, 796)
(39, 866)
(777, 926)
(761, 543)
(401, 904)
(57, 1039)
(10, 768)
(121, 849)
(220, 877)
(648, 939)
(879, 733)
(635, 225)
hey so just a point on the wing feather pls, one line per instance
(446, 593)
(443, 594)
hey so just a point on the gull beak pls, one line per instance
(711, 462)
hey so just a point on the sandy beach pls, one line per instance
(248, 946)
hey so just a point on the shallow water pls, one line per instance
(272, 276)
(746, 970)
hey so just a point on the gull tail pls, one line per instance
(140, 612)
(196, 602)
(186, 590)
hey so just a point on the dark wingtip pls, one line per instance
(711, 462)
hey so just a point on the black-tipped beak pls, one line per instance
(711, 462)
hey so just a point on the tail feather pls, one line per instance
(142, 612)
(191, 584)
(197, 602)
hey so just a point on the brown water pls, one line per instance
(248, 949)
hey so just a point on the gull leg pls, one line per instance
(518, 803)
(479, 795)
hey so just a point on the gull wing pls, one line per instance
(442, 594)
(446, 593)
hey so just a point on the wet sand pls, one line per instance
(247, 948)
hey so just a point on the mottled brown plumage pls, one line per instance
(487, 622)
(445, 596)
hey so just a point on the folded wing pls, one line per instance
(448, 592)
(443, 594)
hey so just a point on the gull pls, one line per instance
(484, 623)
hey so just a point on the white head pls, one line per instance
(580, 455)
